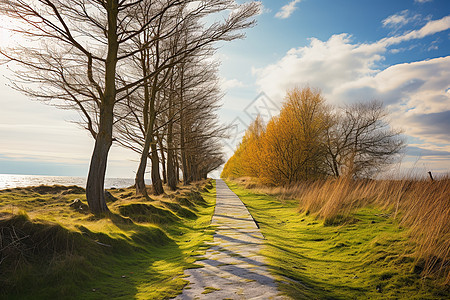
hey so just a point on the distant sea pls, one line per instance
(12, 181)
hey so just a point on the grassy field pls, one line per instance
(365, 254)
(50, 250)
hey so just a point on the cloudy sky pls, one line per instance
(394, 51)
(353, 50)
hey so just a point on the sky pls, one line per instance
(353, 50)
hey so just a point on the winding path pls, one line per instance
(233, 267)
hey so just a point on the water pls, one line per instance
(12, 181)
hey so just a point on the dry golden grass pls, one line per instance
(423, 206)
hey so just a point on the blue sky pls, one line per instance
(395, 51)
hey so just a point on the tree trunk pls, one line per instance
(171, 176)
(335, 167)
(148, 140)
(182, 135)
(184, 167)
(140, 173)
(156, 179)
(163, 159)
(177, 164)
(190, 171)
(95, 185)
(148, 143)
(95, 194)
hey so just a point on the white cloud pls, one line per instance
(396, 20)
(416, 93)
(321, 64)
(332, 63)
(228, 84)
(287, 10)
(422, 1)
(430, 28)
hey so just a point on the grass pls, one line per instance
(422, 206)
(365, 254)
(49, 250)
(210, 289)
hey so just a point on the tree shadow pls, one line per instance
(135, 260)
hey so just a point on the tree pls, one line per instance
(361, 141)
(83, 56)
(310, 116)
(178, 39)
(308, 140)
(252, 143)
(77, 61)
(248, 158)
(199, 131)
(294, 140)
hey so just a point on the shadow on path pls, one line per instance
(232, 266)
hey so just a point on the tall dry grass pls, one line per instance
(423, 206)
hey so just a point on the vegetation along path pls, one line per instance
(233, 267)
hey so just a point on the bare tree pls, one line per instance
(200, 133)
(179, 37)
(360, 141)
(186, 125)
(79, 52)
(78, 58)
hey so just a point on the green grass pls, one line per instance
(366, 255)
(52, 251)
(210, 289)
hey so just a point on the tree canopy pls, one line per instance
(310, 140)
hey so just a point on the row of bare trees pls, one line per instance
(139, 72)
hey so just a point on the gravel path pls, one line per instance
(233, 269)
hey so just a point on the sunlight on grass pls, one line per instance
(210, 289)
(421, 205)
(367, 255)
(65, 252)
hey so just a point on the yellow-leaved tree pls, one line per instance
(247, 158)
(309, 140)
(290, 148)
(293, 143)
(251, 159)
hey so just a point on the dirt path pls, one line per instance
(233, 269)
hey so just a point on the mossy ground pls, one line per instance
(364, 256)
(140, 251)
